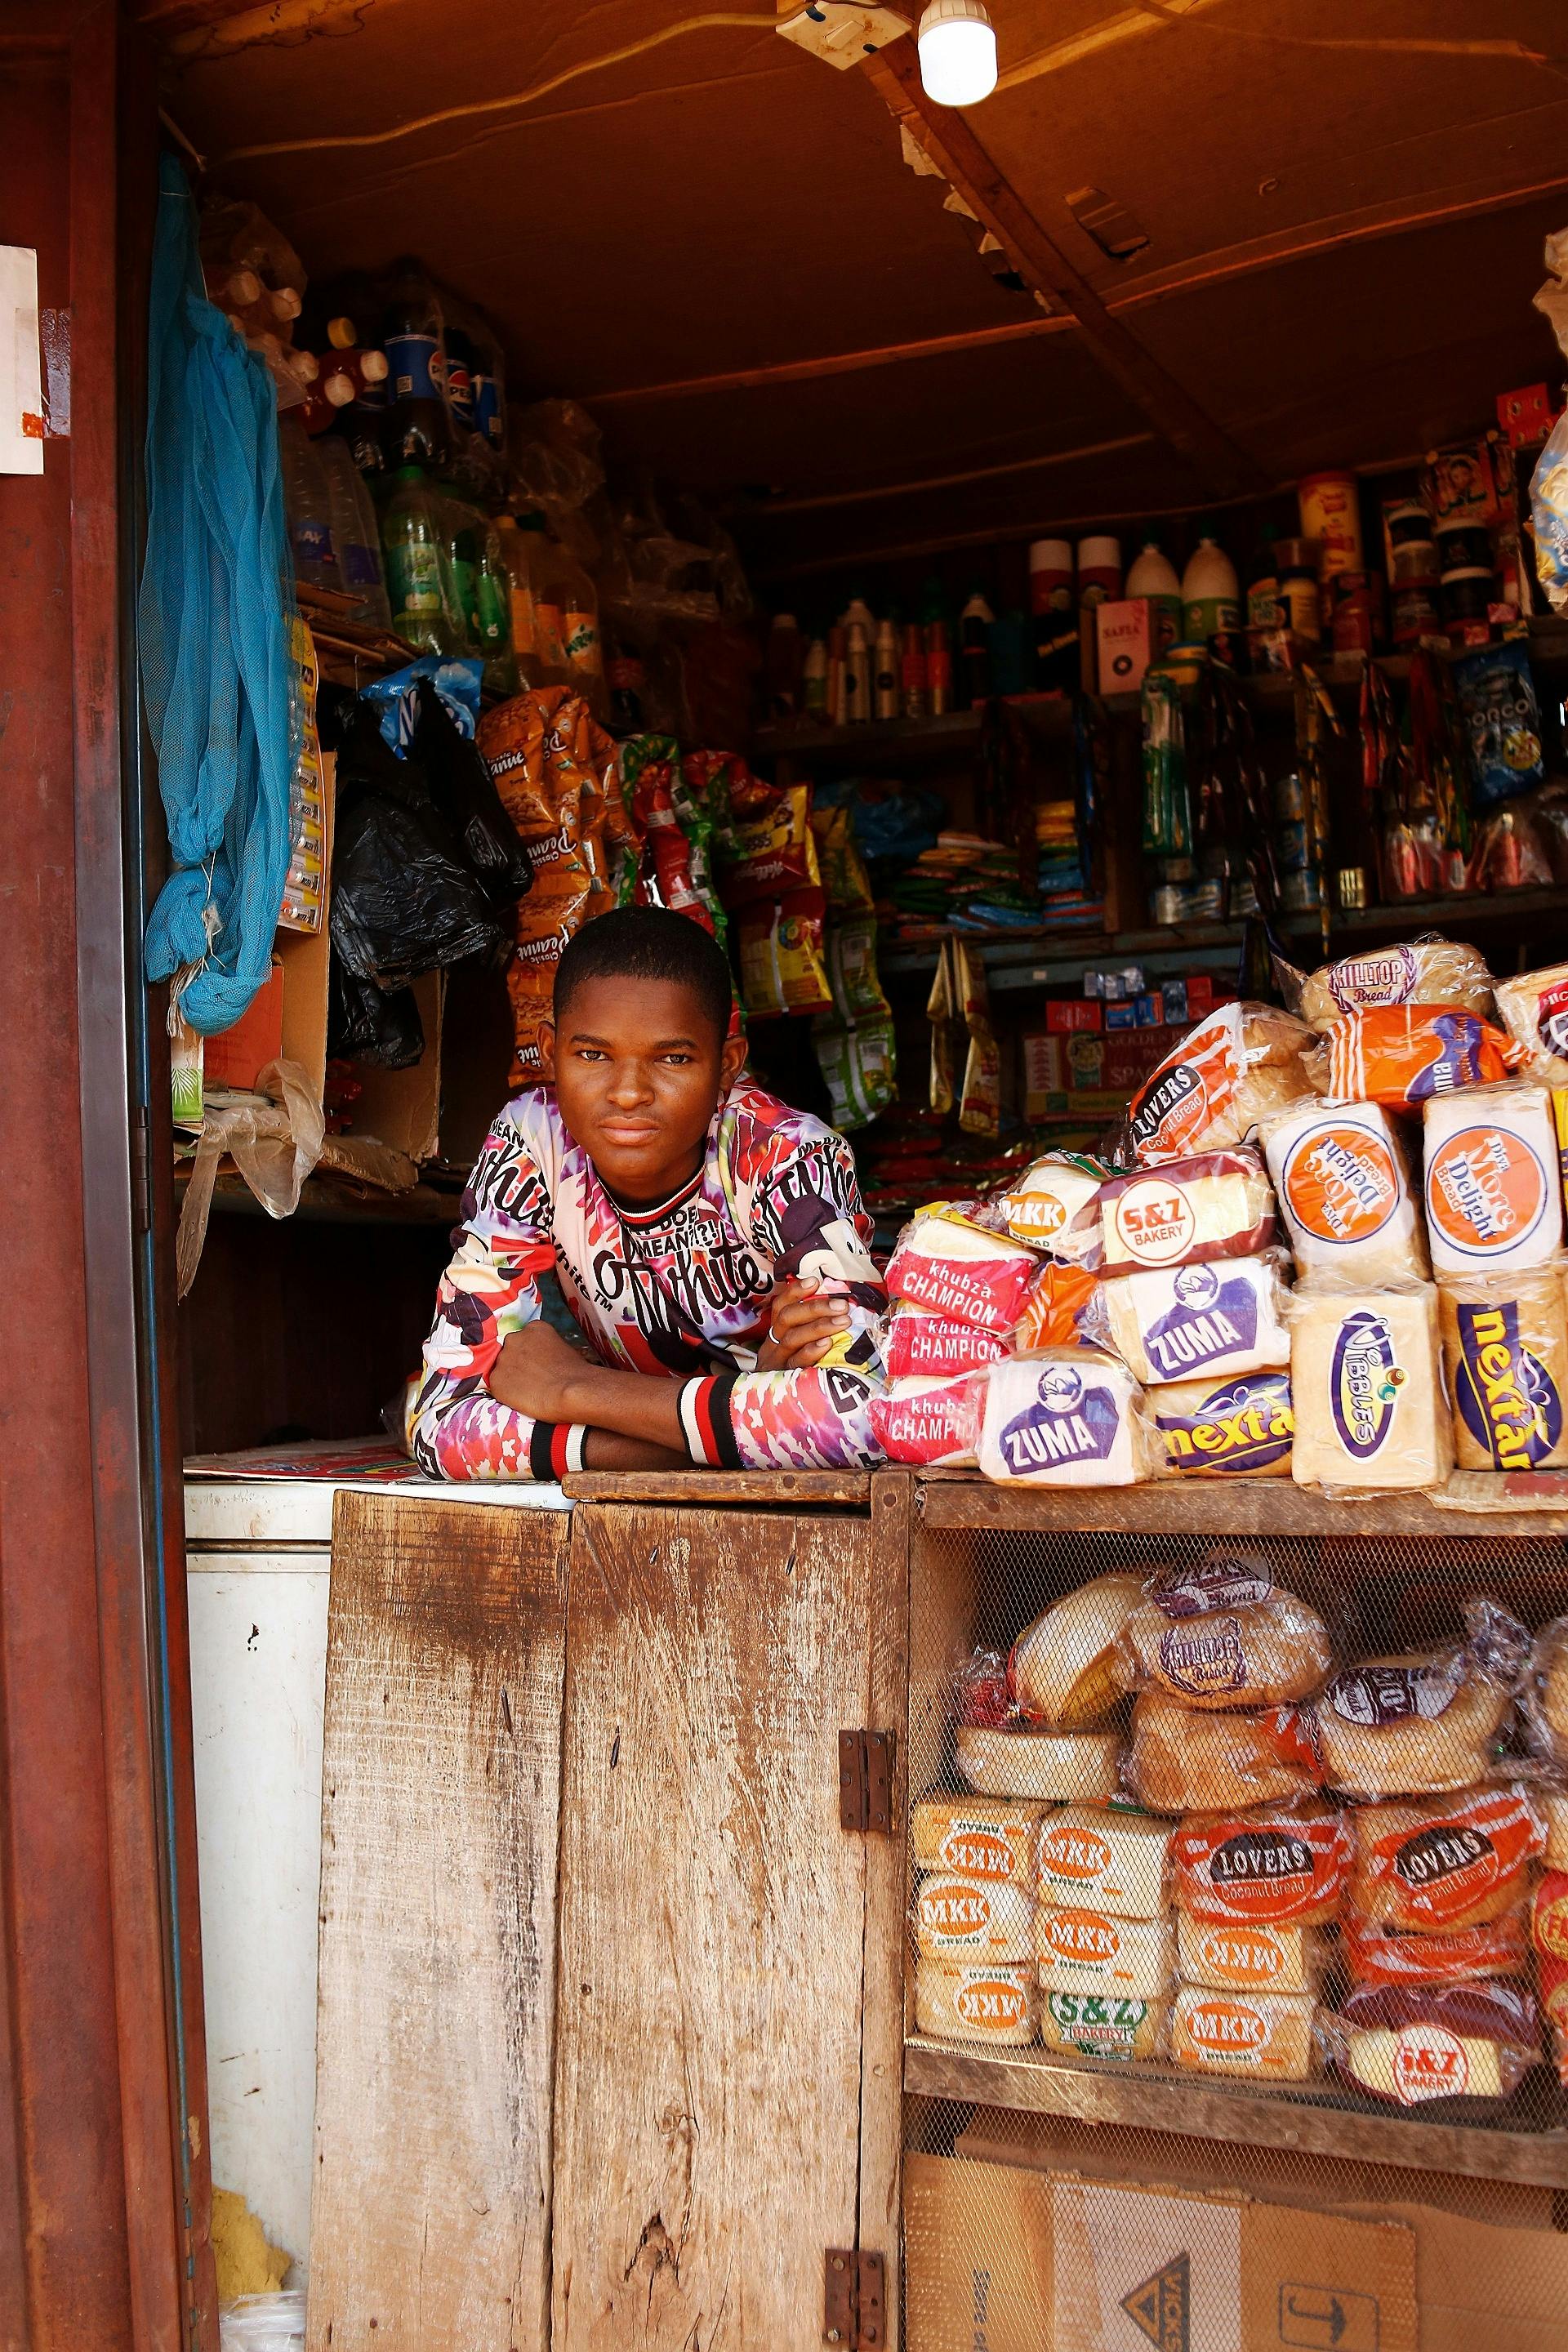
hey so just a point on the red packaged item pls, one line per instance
(1217, 1204)
(921, 1345)
(1063, 1308)
(982, 1697)
(1403, 1054)
(1552, 1977)
(1445, 1861)
(1271, 1867)
(947, 1262)
(1549, 1915)
(1216, 1088)
(1390, 1955)
(1413, 2043)
(933, 1424)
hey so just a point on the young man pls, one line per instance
(691, 1218)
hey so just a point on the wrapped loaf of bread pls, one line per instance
(1343, 1182)
(931, 1423)
(1439, 1863)
(1425, 1721)
(1423, 971)
(1367, 1387)
(1060, 1669)
(1413, 2043)
(1552, 1977)
(1049, 1764)
(924, 1346)
(1549, 1915)
(983, 1917)
(1533, 1009)
(1103, 2025)
(1082, 1950)
(1070, 1417)
(946, 1261)
(1183, 1760)
(1109, 1857)
(1265, 2035)
(1274, 1867)
(992, 2001)
(1219, 1204)
(1051, 1206)
(1217, 1318)
(1385, 1955)
(1229, 1959)
(1553, 1807)
(1240, 1426)
(1545, 1694)
(1222, 1634)
(1406, 1054)
(1493, 1184)
(1232, 1071)
(993, 1840)
(1505, 1359)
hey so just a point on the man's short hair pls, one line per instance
(647, 943)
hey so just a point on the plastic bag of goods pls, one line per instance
(1402, 1056)
(1218, 1317)
(1493, 1179)
(1343, 1182)
(1184, 1760)
(1217, 1204)
(1505, 1359)
(1068, 1417)
(933, 1424)
(1061, 1671)
(1429, 970)
(1544, 1697)
(1229, 1426)
(1367, 1387)
(1106, 1858)
(1376, 1955)
(1064, 1307)
(1223, 1635)
(1017, 1759)
(1238, 1068)
(1051, 1204)
(949, 1261)
(1085, 1949)
(1260, 2036)
(1227, 1958)
(1430, 1863)
(1281, 1865)
(1425, 1721)
(1410, 2045)
(1533, 1009)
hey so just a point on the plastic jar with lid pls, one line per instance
(1299, 587)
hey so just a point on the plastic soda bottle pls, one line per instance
(417, 576)
(416, 366)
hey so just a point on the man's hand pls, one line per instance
(805, 1325)
(540, 1374)
(537, 1373)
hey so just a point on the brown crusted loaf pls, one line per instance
(1183, 1760)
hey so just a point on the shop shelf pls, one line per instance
(1212, 1506)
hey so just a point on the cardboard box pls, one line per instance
(1014, 2260)
(1094, 1075)
(237, 1055)
(1065, 1017)
(1127, 640)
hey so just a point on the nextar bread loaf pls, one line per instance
(1220, 1635)
(1228, 1426)
(1060, 1668)
(1505, 1357)
(1183, 1760)
(1042, 1764)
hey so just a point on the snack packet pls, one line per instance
(1496, 695)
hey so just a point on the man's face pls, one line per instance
(638, 1069)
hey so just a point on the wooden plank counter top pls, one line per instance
(850, 1489)
(1211, 1506)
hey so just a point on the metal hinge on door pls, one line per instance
(865, 1780)
(854, 2299)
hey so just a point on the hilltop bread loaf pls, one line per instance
(993, 1840)
(1414, 1725)
(1505, 1359)
(1060, 1668)
(1183, 1760)
(1272, 1866)
(1493, 1182)
(1083, 1950)
(1108, 1857)
(1239, 1425)
(1367, 1389)
(1414, 2043)
(1063, 1765)
(1222, 1635)
(983, 1917)
(1218, 1204)
(1533, 1009)
(1215, 1952)
(1343, 1181)
(1222, 1317)
(1103, 2025)
(1229, 1074)
(1444, 1862)
(1070, 1417)
(993, 2001)
(1265, 2035)
(1424, 971)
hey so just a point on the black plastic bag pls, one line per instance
(365, 1024)
(463, 788)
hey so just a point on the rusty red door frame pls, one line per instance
(102, 2210)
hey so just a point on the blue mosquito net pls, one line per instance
(214, 616)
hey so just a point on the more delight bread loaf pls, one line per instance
(1493, 1179)
(1343, 1181)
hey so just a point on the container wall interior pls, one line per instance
(1101, 2203)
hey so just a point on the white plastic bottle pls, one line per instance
(1211, 593)
(857, 675)
(308, 503)
(885, 671)
(356, 539)
(1153, 575)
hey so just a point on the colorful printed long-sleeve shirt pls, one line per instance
(680, 1290)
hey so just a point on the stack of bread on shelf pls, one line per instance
(1328, 1245)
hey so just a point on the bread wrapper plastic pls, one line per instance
(1366, 1385)
(1106, 2026)
(1343, 1181)
(1553, 1804)
(1064, 1307)
(1549, 1915)
(1544, 1696)
(1552, 1978)
(1183, 1760)
(986, 2001)
(1239, 1425)
(1376, 1955)
(1051, 1205)
(1060, 1671)
(1439, 1862)
(918, 1344)
(1105, 1858)
(1533, 1009)
(1429, 970)
(1220, 1317)
(946, 1261)
(1217, 1204)
(1406, 1055)
(980, 1918)
(1068, 1417)
(991, 1840)
(1411, 2045)
(1505, 1360)
(1054, 1766)
(1274, 1867)
(1082, 1950)
(1493, 1182)
(1223, 1635)
(1227, 1958)
(1234, 1070)
(933, 1424)
(1262, 2036)
(1425, 1721)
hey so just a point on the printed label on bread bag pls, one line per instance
(1190, 1090)
(1388, 978)
(1507, 1398)
(1205, 1658)
(1486, 1190)
(1223, 1581)
(951, 1910)
(1375, 1696)
(1552, 1019)
(978, 1853)
(1096, 2024)
(1243, 1956)
(990, 2003)
(1154, 1221)
(1365, 1382)
(1247, 1424)
(1341, 1184)
(1076, 1854)
(1229, 2032)
(1549, 1915)
(1070, 1422)
(1213, 1316)
(1436, 1873)
(1264, 1870)
(1087, 1937)
(1429, 2062)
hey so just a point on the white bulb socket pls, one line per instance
(957, 46)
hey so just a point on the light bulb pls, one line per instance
(957, 52)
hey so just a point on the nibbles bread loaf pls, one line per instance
(1444, 1862)
(1413, 2043)
(1264, 2035)
(1103, 2025)
(1227, 1075)
(1045, 1764)
(1221, 1635)
(981, 1918)
(1423, 971)
(1413, 1725)
(992, 1839)
(1505, 1359)
(1248, 1959)
(1343, 1181)
(1533, 1009)
(993, 2001)
(1061, 1665)
(1217, 1204)
(1493, 1184)
(1183, 1760)
(1367, 1389)
(1222, 1316)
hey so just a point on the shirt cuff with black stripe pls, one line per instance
(705, 1417)
(554, 1447)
